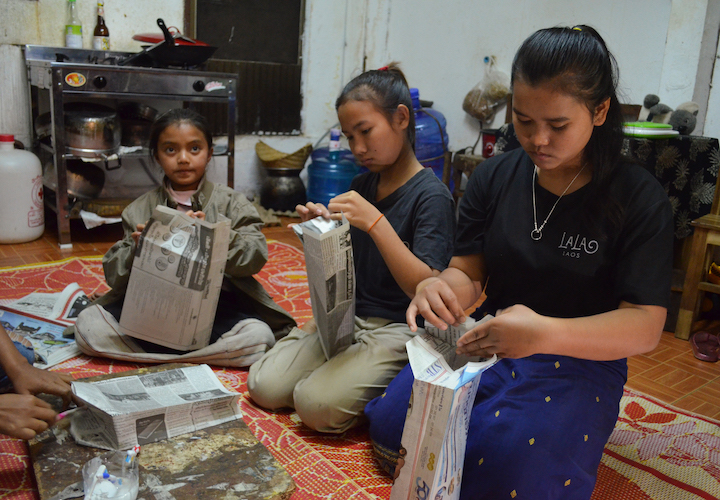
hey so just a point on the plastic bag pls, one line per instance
(484, 99)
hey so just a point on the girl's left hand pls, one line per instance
(516, 332)
(358, 211)
(196, 215)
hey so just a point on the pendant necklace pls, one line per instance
(536, 234)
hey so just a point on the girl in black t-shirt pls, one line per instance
(403, 226)
(574, 247)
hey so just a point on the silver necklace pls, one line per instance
(536, 234)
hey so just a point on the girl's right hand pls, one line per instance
(436, 302)
(24, 416)
(136, 235)
(311, 210)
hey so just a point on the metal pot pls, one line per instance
(136, 133)
(283, 189)
(85, 180)
(130, 110)
(91, 130)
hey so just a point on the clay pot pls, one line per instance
(283, 189)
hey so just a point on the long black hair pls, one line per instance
(577, 62)
(176, 117)
(386, 88)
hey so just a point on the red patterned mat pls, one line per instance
(656, 451)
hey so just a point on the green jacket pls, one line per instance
(247, 251)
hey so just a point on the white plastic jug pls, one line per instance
(22, 215)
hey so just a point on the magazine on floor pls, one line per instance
(62, 307)
(46, 336)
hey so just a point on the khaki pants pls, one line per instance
(330, 395)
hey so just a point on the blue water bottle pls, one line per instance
(330, 171)
(431, 139)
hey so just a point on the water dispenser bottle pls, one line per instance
(331, 170)
(431, 139)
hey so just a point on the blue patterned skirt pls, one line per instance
(537, 430)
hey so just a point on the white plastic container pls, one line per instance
(22, 216)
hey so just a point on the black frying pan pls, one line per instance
(171, 53)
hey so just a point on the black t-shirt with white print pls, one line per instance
(571, 271)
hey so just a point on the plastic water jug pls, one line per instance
(431, 139)
(21, 194)
(331, 171)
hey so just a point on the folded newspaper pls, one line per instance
(438, 417)
(135, 410)
(175, 280)
(331, 278)
(62, 307)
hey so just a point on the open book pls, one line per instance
(45, 336)
(62, 307)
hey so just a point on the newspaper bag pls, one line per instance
(130, 410)
(175, 282)
(331, 278)
(437, 421)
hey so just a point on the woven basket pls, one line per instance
(272, 158)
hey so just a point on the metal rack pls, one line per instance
(95, 75)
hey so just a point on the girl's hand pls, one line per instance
(514, 333)
(358, 211)
(437, 303)
(138, 230)
(24, 416)
(311, 210)
(35, 381)
(195, 215)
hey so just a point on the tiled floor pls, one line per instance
(670, 372)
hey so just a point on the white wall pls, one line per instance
(42, 21)
(440, 45)
(442, 51)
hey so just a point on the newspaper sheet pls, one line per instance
(140, 409)
(436, 425)
(63, 307)
(45, 336)
(175, 280)
(331, 278)
(446, 341)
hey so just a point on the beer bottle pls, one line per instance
(101, 36)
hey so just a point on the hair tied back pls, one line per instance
(384, 68)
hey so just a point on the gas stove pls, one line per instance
(97, 71)
(65, 75)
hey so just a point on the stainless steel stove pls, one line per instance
(77, 74)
